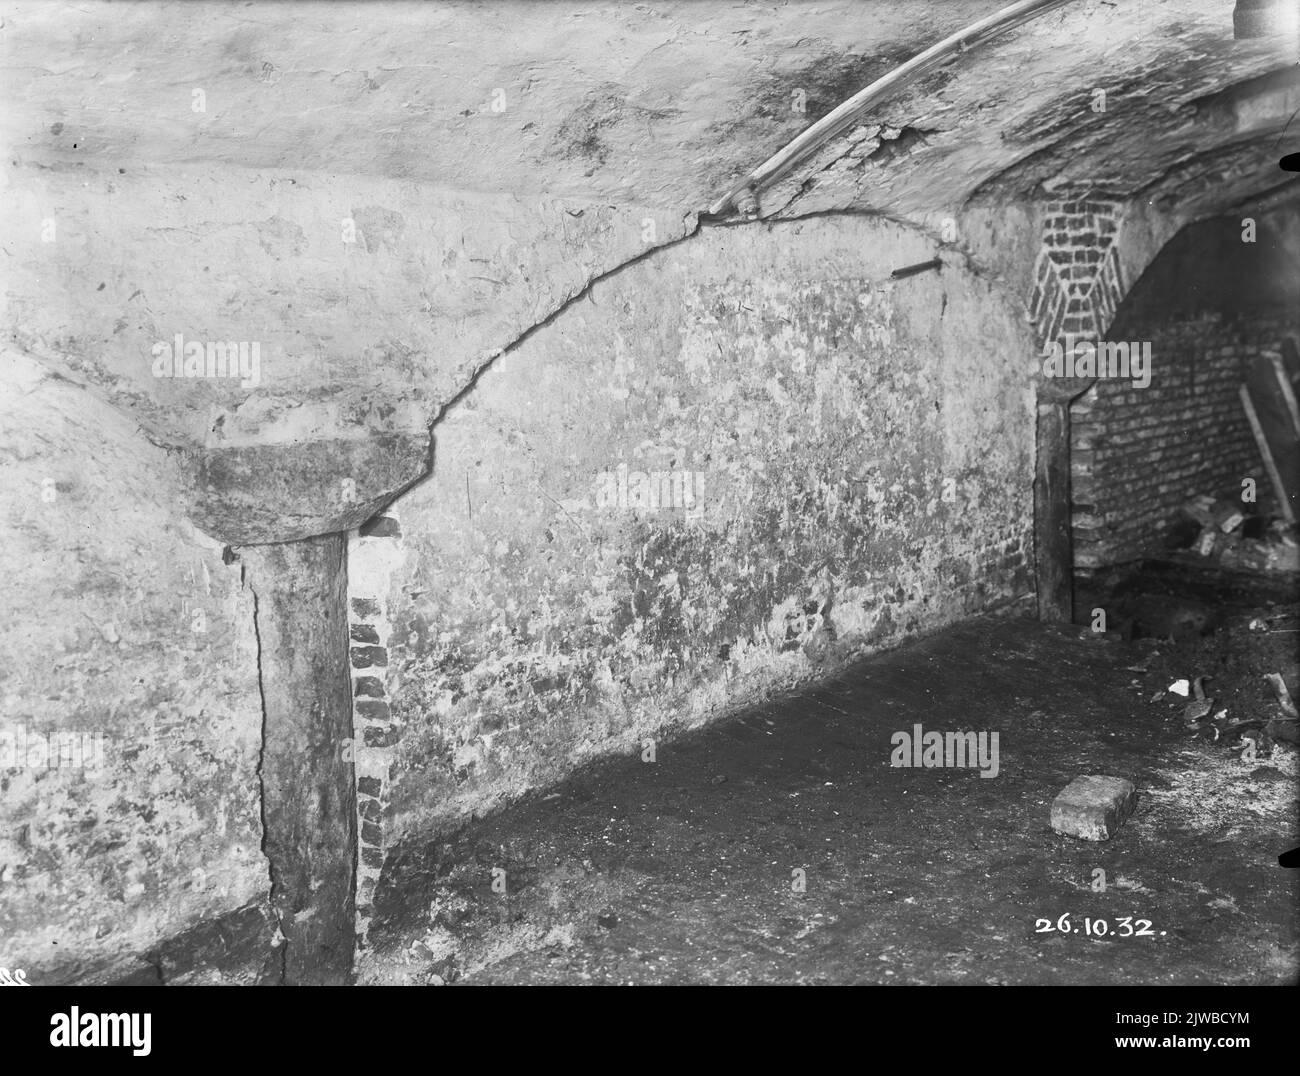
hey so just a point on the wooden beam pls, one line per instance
(1053, 545)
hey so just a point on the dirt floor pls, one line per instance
(683, 870)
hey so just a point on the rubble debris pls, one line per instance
(1269, 399)
(1223, 514)
(1200, 707)
(1235, 536)
(1094, 807)
(1287, 727)
(1266, 624)
(1222, 730)
(1283, 695)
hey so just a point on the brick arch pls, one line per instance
(1078, 278)
(1137, 454)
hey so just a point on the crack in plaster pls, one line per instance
(573, 299)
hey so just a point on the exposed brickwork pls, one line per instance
(1140, 453)
(1077, 280)
(371, 552)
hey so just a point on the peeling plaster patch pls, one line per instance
(784, 102)
(378, 228)
(898, 142)
(281, 238)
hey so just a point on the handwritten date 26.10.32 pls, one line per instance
(1126, 926)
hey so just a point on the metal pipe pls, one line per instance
(846, 114)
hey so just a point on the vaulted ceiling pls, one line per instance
(657, 104)
(196, 160)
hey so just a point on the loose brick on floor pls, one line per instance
(1093, 808)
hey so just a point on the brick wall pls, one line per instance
(1207, 302)
(1139, 453)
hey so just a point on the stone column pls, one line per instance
(308, 789)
